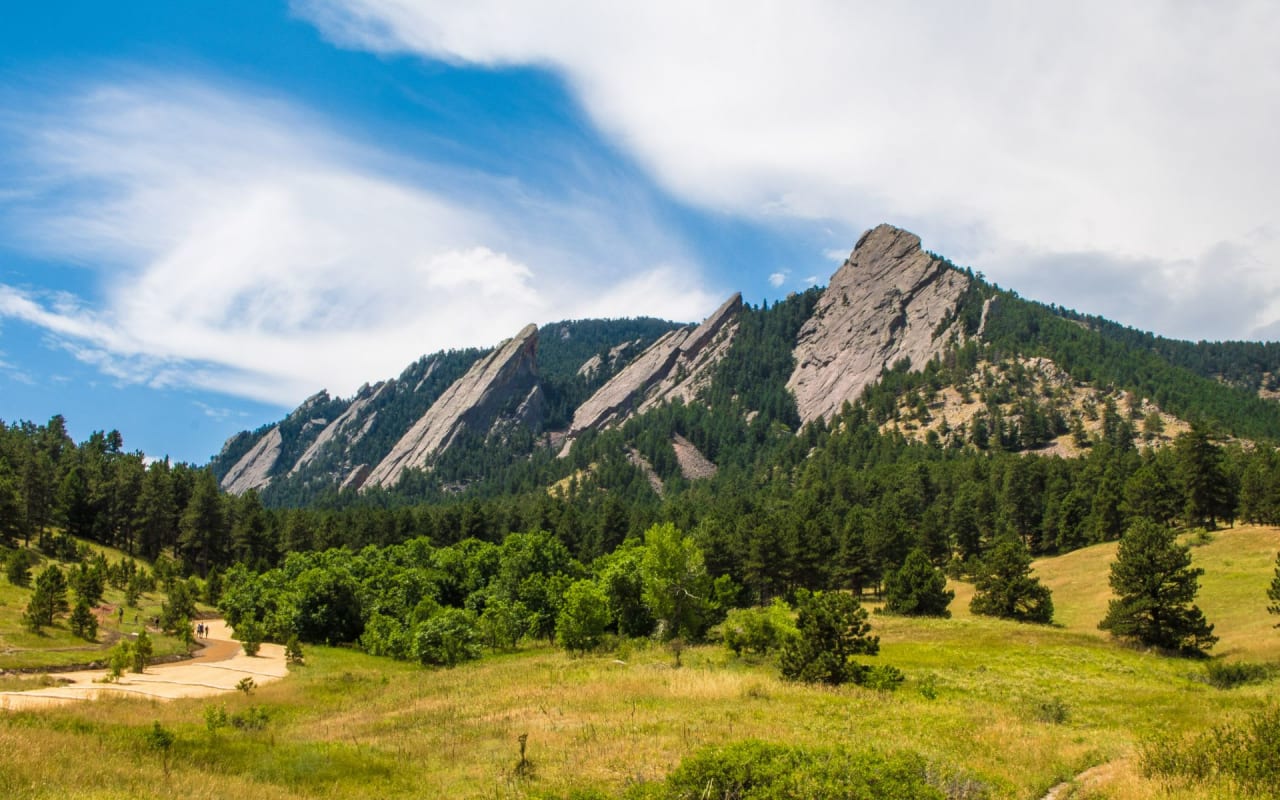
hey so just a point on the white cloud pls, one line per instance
(777, 279)
(239, 244)
(1006, 134)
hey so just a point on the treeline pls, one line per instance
(835, 506)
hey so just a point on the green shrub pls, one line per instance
(758, 630)
(1243, 756)
(754, 770)
(253, 718)
(249, 632)
(1224, 675)
(1053, 711)
(883, 677)
(449, 637)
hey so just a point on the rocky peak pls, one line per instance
(475, 402)
(884, 304)
(676, 365)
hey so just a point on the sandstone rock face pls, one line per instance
(349, 427)
(677, 365)
(593, 365)
(474, 402)
(881, 306)
(253, 470)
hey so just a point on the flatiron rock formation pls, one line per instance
(883, 305)
(348, 428)
(474, 402)
(677, 365)
(253, 470)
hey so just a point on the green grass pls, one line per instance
(1013, 708)
(56, 646)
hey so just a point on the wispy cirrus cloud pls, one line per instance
(1011, 136)
(241, 244)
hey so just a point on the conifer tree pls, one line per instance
(1006, 587)
(1273, 593)
(832, 628)
(1155, 584)
(918, 589)
(48, 599)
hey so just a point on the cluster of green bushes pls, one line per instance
(1244, 755)
(442, 605)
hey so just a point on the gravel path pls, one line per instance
(215, 669)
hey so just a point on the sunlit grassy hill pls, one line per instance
(1238, 565)
(56, 646)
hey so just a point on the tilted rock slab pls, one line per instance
(677, 365)
(473, 402)
(881, 306)
(253, 470)
(349, 427)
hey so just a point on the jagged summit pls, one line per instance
(883, 304)
(474, 402)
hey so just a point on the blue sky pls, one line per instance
(208, 211)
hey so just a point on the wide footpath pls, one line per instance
(217, 667)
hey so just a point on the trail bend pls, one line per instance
(216, 668)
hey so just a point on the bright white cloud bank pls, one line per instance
(1130, 144)
(240, 246)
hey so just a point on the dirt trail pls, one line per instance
(216, 668)
(1088, 779)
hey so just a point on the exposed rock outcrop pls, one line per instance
(883, 305)
(675, 366)
(349, 427)
(474, 402)
(253, 470)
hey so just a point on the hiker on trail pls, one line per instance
(121, 612)
(200, 630)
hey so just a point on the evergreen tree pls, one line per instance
(1206, 492)
(17, 567)
(82, 621)
(831, 628)
(1273, 592)
(918, 589)
(141, 652)
(1006, 588)
(203, 535)
(48, 599)
(1155, 584)
(156, 513)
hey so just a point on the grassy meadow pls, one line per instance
(56, 646)
(997, 709)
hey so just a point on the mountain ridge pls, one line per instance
(891, 309)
